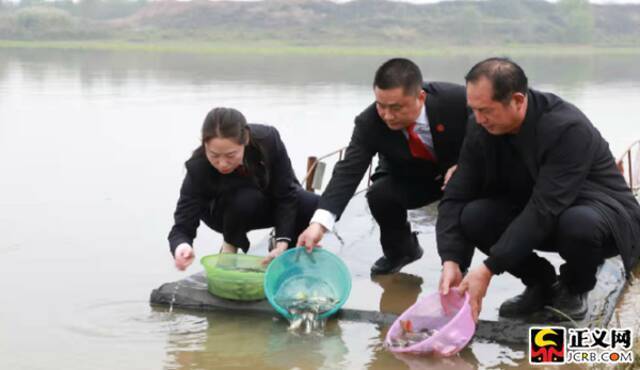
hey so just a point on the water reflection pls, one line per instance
(423, 363)
(399, 291)
(120, 67)
(496, 356)
(245, 340)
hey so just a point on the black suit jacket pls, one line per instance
(204, 186)
(447, 114)
(570, 163)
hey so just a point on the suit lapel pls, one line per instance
(437, 125)
(393, 141)
(432, 106)
(526, 139)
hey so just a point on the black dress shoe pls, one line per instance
(533, 299)
(386, 265)
(572, 305)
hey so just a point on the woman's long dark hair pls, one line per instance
(229, 123)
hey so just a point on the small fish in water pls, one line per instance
(409, 337)
(306, 321)
(306, 311)
(406, 326)
(314, 304)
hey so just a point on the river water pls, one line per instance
(91, 153)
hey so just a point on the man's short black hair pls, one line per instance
(505, 76)
(399, 72)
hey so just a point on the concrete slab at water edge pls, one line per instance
(380, 299)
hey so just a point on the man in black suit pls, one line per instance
(533, 174)
(417, 130)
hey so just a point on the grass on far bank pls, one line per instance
(283, 48)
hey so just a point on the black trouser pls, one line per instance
(236, 213)
(581, 237)
(389, 199)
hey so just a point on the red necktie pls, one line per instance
(416, 146)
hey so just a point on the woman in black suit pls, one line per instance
(239, 179)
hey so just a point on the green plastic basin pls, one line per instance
(238, 277)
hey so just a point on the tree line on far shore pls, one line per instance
(322, 22)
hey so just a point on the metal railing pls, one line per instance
(629, 166)
(312, 165)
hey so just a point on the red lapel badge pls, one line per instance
(440, 127)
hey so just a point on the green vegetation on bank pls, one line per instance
(307, 25)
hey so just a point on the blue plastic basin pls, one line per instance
(317, 271)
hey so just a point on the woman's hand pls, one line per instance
(275, 252)
(184, 256)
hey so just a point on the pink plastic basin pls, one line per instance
(449, 315)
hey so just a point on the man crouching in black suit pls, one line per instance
(417, 130)
(535, 174)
